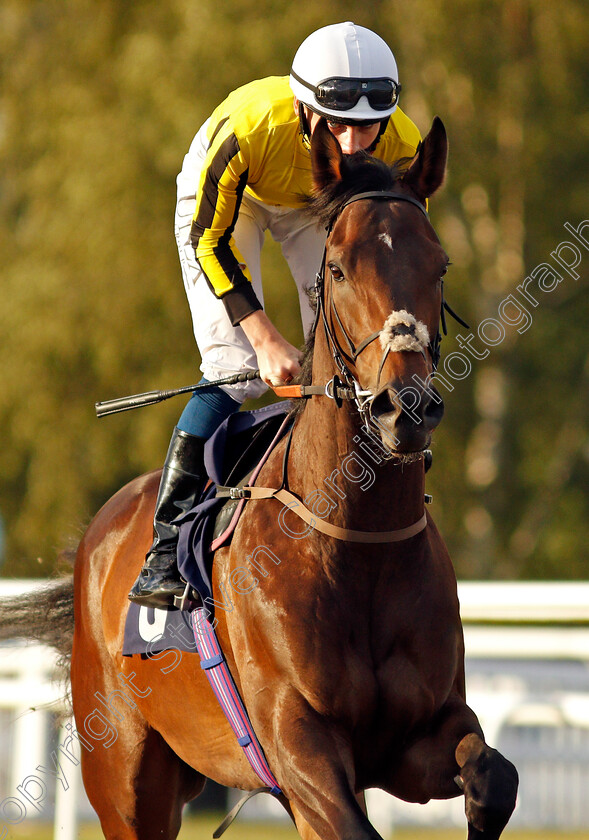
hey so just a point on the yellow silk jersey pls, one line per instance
(256, 147)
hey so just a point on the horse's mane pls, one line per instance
(360, 172)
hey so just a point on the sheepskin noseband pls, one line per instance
(402, 331)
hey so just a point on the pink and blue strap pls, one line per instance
(214, 665)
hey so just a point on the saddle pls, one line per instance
(231, 457)
(243, 454)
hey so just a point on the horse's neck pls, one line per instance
(333, 459)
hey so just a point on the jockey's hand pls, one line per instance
(278, 360)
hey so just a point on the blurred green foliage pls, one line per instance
(99, 101)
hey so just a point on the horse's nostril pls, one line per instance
(434, 410)
(385, 403)
(410, 405)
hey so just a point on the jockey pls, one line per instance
(246, 172)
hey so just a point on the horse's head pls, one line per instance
(381, 295)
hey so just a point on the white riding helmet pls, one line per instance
(347, 72)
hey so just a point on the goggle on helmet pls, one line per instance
(346, 72)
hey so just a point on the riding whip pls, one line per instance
(152, 397)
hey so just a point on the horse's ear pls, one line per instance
(428, 168)
(326, 156)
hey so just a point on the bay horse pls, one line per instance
(348, 654)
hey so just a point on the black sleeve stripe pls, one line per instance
(217, 130)
(208, 202)
(225, 256)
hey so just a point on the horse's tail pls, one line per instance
(45, 615)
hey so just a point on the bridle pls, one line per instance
(347, 387)
(338, 389)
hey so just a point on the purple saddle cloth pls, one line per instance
(230, 454)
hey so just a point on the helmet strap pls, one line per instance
(381, 131)
(304, 128)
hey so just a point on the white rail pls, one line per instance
(524, 602)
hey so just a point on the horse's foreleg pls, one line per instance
(306, 830)
(315, 767)
(489, 782)
(453, 757)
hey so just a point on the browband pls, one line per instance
(389, 195)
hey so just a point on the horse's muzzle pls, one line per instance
(406, 416)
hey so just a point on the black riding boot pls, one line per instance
(182, 482)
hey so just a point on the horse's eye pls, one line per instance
(336, 273)
(445, 269)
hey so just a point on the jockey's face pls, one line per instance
(352, 138)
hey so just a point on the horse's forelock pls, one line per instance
(361, 172)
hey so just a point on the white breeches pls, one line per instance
(224, 348)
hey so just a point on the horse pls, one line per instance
(346, 647)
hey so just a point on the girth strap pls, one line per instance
(290, 501)
(219, 676)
